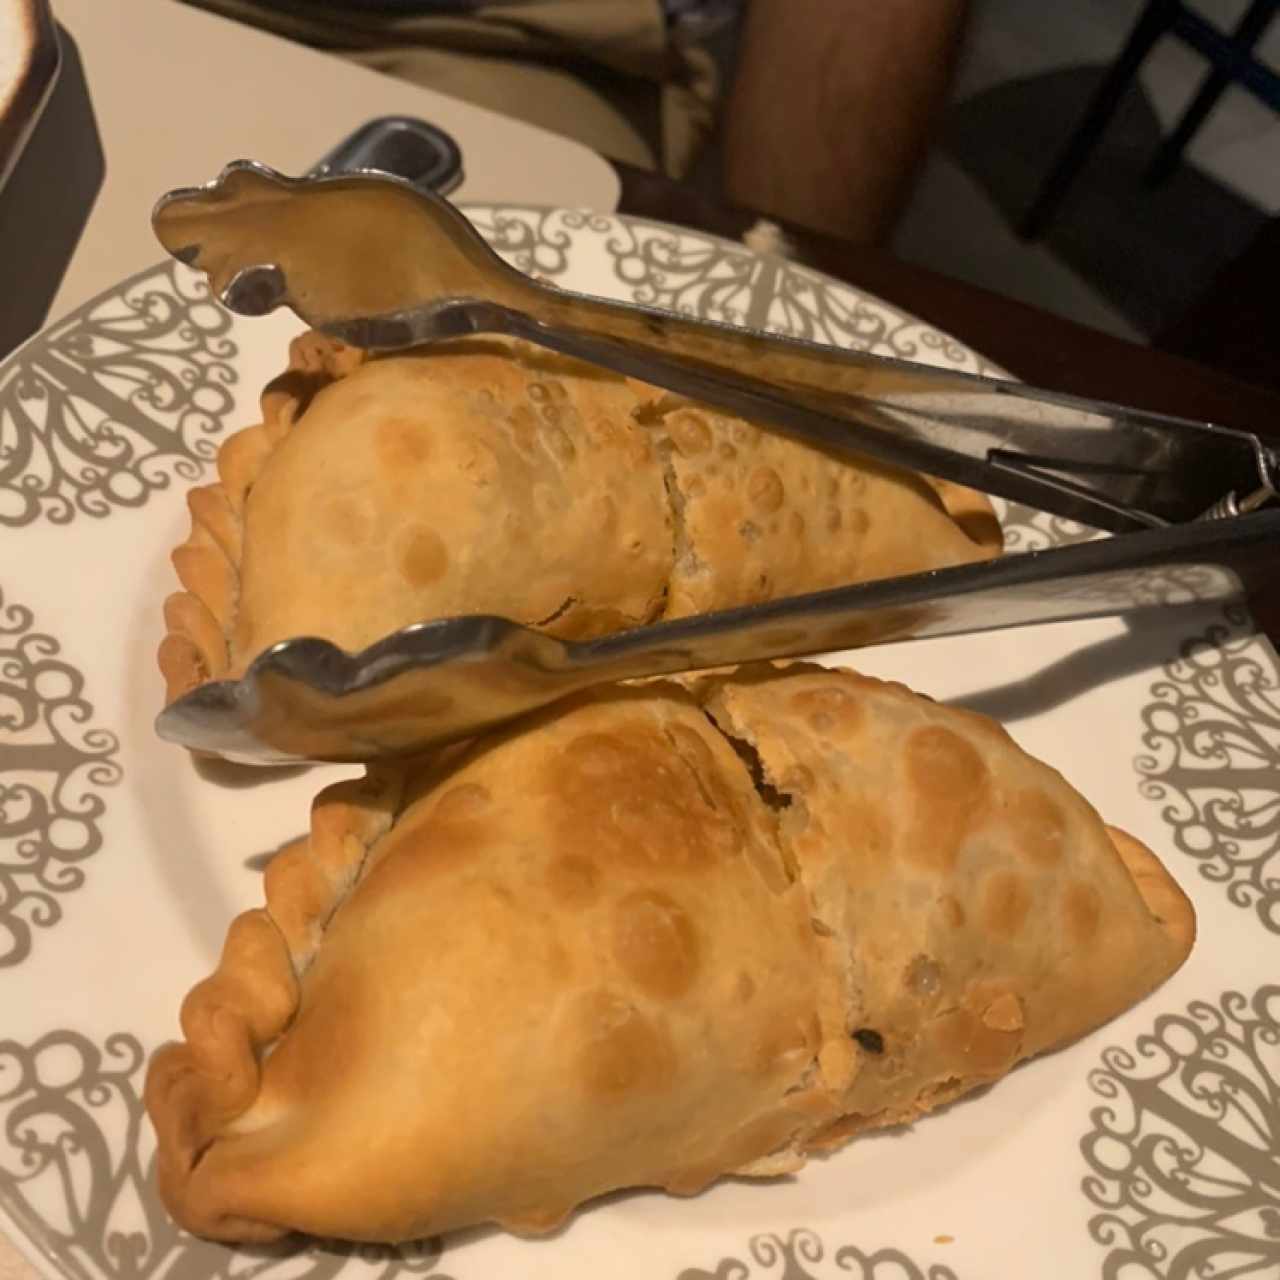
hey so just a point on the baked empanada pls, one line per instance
(645, 938)
(495, 478)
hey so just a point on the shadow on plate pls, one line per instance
(896, 1132)
(259, 861)
(239, 777)
(1145, 636)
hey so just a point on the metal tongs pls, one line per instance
(384, 264)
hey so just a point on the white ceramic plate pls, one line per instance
(1151, 1148)
(29, 62)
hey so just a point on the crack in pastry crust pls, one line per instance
(485, 477)
(593, 951)
(958, 802)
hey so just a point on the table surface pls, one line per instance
(152, 116)
(134, 115)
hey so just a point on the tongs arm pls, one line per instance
(1104, 465)
(267, 241)
(440, 681)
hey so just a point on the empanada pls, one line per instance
(645, 938)
(494, 478)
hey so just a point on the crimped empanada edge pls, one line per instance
(196, 1086)
(200, 618)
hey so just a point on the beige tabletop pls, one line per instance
(154, 95)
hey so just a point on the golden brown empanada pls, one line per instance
(495, 478)
(620, 945)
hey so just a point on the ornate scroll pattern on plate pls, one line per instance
(1026, 529)
(695, 275)
(108, 406)
(715, 279)
(76, 1175)
(53, 764)
(801, 1255)
(1212, 760)
(1185, 1149)
(537, 241)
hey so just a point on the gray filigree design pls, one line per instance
(1151, 587)
(535, 239)
(714, 279)
(801, 1255)
(692, 274)
(1185, 1151)
(53, 764)
(77, 1172)
(914, 340)
(1212, 760)
(1026, 529)
(106, 407)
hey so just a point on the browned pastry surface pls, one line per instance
(646, 938)
(988, 913)
(760, 515)
(491, 478)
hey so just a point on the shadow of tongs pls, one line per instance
(383, 264)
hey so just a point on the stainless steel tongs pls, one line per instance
(384, 265)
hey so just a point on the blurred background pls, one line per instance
(1162, 261)
(927, 128)
(1120, 255)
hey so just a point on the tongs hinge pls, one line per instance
(1231, 506)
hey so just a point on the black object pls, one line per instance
(405, 146)
(47, 200)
